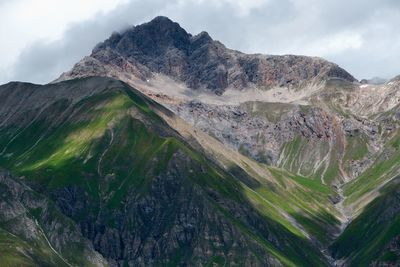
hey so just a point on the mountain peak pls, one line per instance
(201, 39)
(162, 20)
(162, 25)
(163, 46)
(148, 39)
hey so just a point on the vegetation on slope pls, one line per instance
(385, 168)
(115, 155)
(373, 237)
(112, 165)
(33, 232)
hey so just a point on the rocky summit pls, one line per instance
(162, 46)
(164, 148)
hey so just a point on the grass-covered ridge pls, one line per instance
(108, 162)
(113, 152)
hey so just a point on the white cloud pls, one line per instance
(335, 44)
(27, 21)
(241, 8)
(244, 7)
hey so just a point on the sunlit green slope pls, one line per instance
(140, 193)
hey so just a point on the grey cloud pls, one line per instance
(43, 62)
(279, 26)
(4, 2)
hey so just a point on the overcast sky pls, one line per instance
(42, 38)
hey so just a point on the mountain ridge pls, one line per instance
(162, 46)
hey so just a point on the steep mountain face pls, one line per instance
(162, 46)
(323, 137)
(305, 140)
(200, 155)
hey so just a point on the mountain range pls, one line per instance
(164, 148)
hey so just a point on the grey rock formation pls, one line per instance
(162, 46)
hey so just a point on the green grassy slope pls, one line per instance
(373, 237)
(143, 194)
(105, 155)
(16, 252)
(385, 167)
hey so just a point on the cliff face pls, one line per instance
(162, 46)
